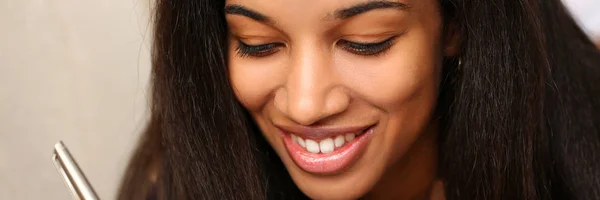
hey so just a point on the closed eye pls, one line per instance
(366, 49)
(244, 50)
(363, 49)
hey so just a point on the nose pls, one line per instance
(312, 90)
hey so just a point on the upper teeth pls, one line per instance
(324, 146)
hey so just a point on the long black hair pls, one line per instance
(519, 117)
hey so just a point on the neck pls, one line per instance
(414, 175)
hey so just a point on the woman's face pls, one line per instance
(343, 90)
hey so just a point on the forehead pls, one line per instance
(307, 9)
(300, 17)
(317, 15)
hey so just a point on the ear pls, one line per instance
(452, 41)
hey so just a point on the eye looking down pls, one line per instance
(344, 91)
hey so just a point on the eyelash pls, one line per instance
(244, 50)
(367, 49)
(361, 49)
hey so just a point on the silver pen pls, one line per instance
(71, 173)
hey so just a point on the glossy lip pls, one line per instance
(320, 133)
(330, 163)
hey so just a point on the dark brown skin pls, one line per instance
(309, 80)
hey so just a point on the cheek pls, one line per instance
(407, 72)
(253, 81)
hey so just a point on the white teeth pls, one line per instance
(339, 141)
(312, 146)
(294, 138)
(301, 142)
(326, 145)
(350, 137)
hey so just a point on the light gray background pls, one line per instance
(77, 71)
(71, 70)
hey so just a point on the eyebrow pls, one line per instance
(236, 9)
(368, 6)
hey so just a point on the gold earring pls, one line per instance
(459, 63)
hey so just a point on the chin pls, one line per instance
(345, 185)
(334, 194)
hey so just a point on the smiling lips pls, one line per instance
(325, 151)
(325, 146)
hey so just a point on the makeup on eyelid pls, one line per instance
(363, 49)
(359, 36)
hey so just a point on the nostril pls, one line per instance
(338, 101)
(305, 111)
(309, 108)
(302, 107)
